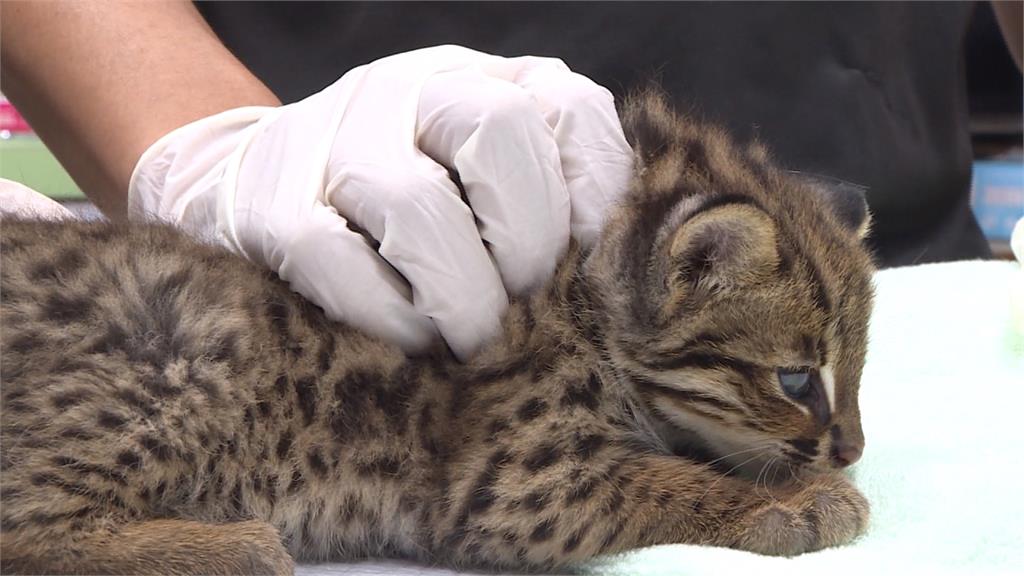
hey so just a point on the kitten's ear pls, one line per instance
(730, 245)
(848, 201)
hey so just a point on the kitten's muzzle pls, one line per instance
(845, 450)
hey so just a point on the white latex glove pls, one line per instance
(527, 137)
(20, 201)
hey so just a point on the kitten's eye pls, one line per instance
(795, 382)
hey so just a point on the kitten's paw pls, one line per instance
(827, 511)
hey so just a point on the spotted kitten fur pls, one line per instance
(170, 408)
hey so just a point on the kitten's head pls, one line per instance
(736, 298)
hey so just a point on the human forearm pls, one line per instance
(101, 81)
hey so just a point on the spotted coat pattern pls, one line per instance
(168, 407)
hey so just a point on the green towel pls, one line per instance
(942, 402)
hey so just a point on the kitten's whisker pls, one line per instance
(796, 477)
(775, 471)
(757, 480)
(760, 447)
(721, 477)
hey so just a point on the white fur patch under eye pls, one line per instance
(829, 382)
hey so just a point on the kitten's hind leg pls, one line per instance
(176, 547)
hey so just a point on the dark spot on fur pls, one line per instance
(694, 400)
(481, 495)
(279, 314)
(426, 418)
(159, 386)
(236, 498)
(350, 391)
(25, 342)
(113, 339)
(349, 509)
(821, 299)
(583, 490)
(66, 265)
(45, 478)
(541, 457)
(271, 491)
(573, 542)
(108, 474)
(543, 531)
(384, 466)
(249, 419)
(284, 445)
(531, 409)
(129, 459)
(326, 354)
(496, 427)
(165, 289)
(583, 394)
(77, 433)
(480, 499)
(43, 519)
(392, 397)
(305, 389)
(69, 398)
(211, 389)
(297, 482)
(611, 537)
(64, 308)
(588, 445)
(799, 458)
(158, 449)
(617, 500)
(808, 446)
(110, 420)
(68, 365)
(503, 371)
(129, 397)
(18, 406)
(316, 463)
(281, 385)
(536, 500)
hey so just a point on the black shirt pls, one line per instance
(870, 93)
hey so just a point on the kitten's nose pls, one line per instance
(845, 453)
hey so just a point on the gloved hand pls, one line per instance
(538, 149)
(20, 201)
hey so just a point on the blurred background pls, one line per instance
(996, 100)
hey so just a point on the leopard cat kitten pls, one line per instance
(170, 408)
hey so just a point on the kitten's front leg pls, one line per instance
(673, 500)
(563, 515)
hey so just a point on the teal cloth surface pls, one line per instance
(942, 402)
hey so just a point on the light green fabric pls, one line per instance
(942, 402)
(26, 160)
